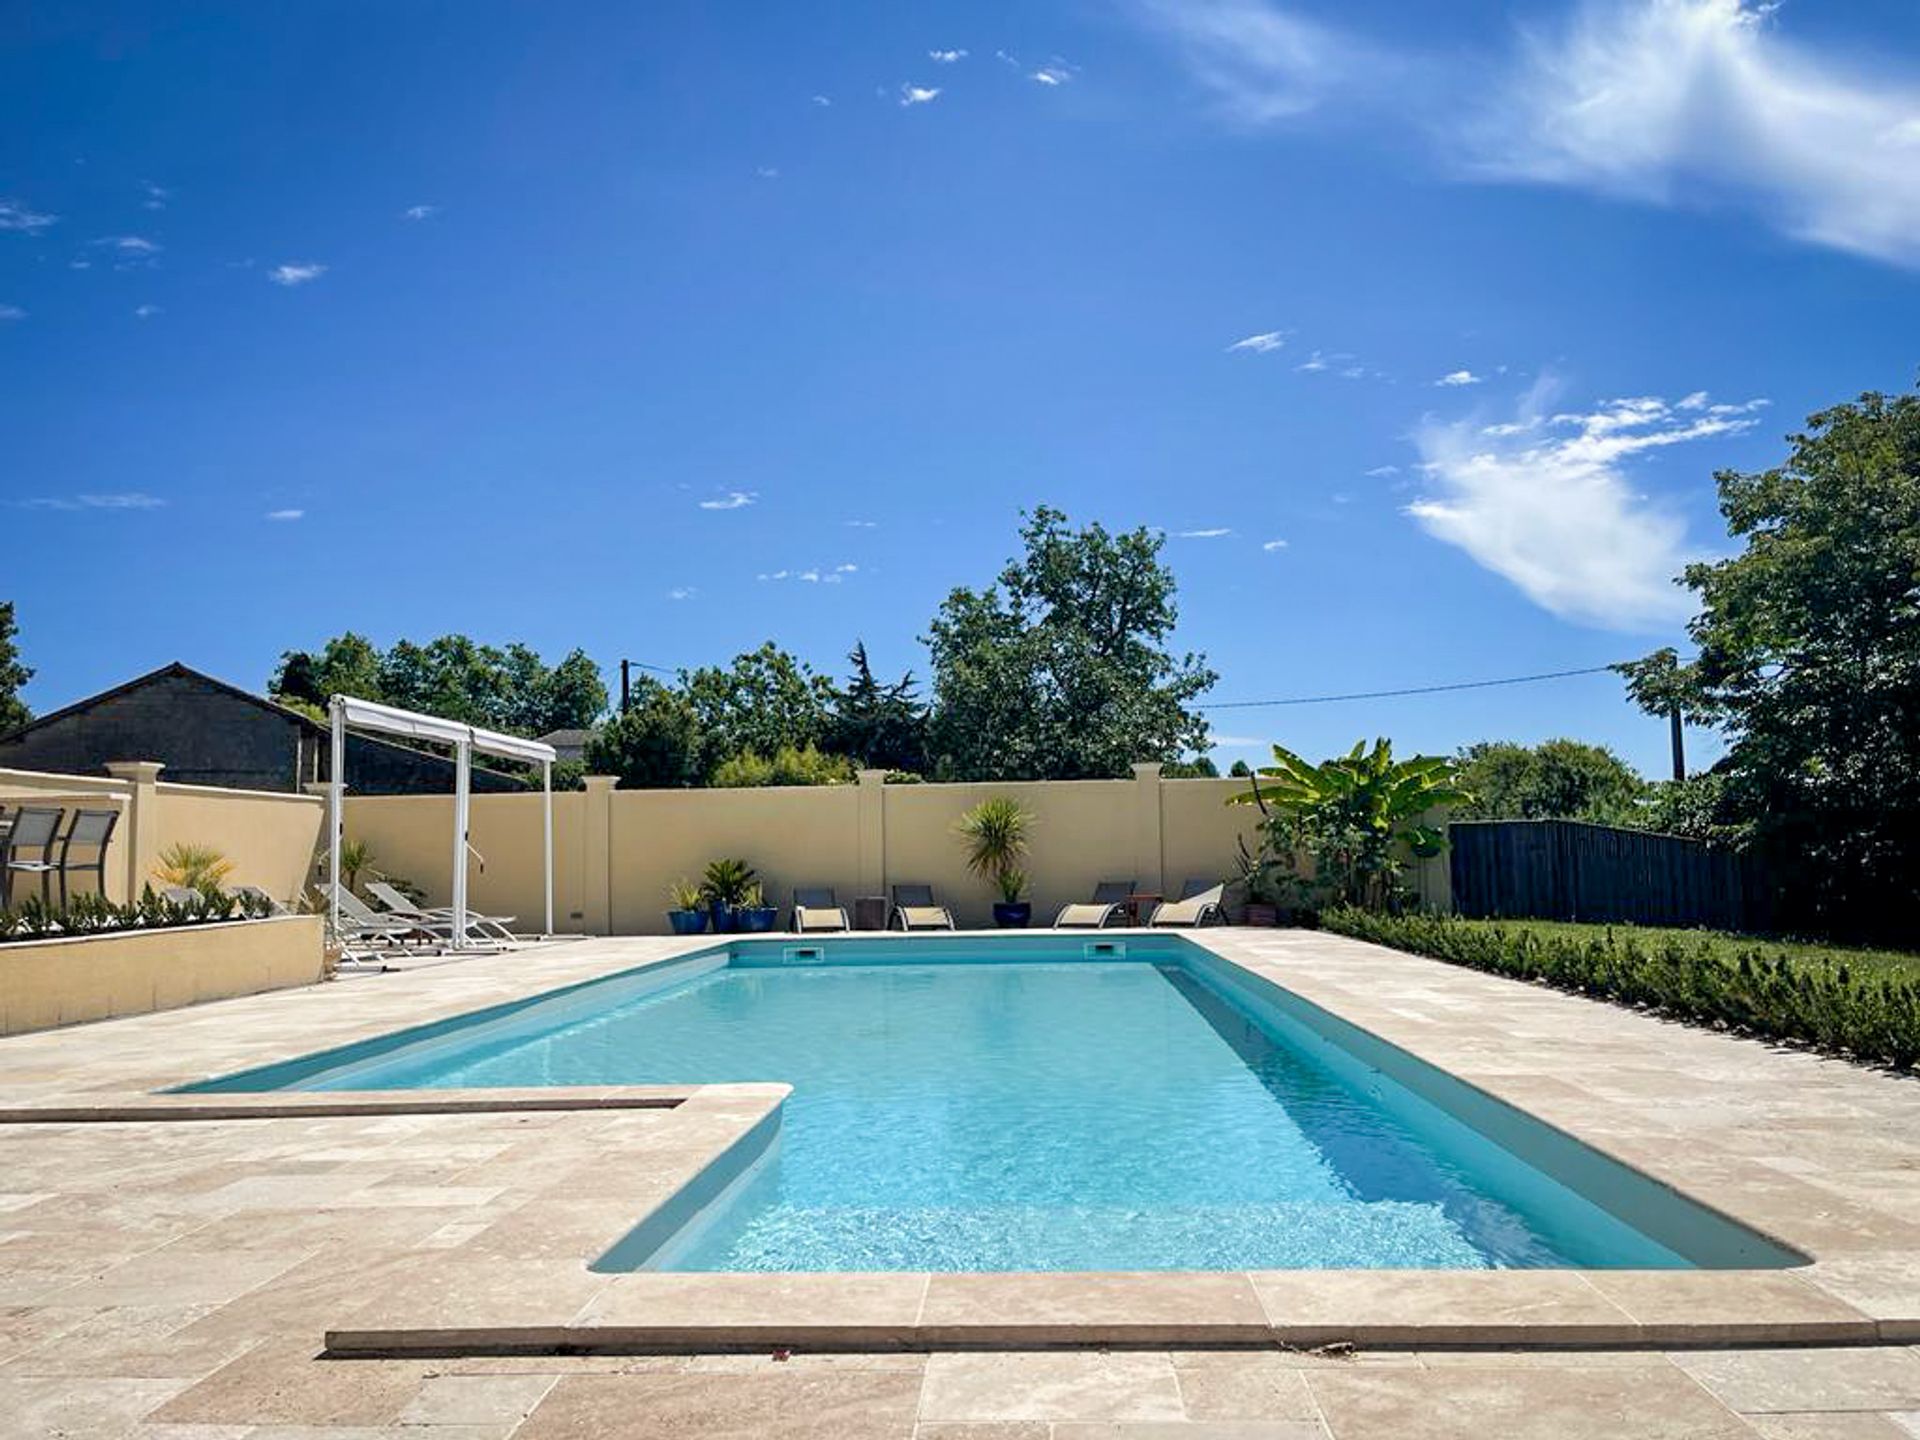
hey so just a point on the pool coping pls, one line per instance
(489, 1303)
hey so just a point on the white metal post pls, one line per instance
(336, 786)
(463, 758)
(546, 784)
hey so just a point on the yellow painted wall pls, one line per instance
(269, 838)
(44, 983)
(792, 835)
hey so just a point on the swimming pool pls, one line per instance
(1057, 1103)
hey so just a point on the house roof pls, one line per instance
(176, 670)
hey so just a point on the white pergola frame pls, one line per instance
(345, 710)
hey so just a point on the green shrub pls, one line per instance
(93, 914)
(1820, 1003)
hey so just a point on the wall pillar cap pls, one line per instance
(600, 782)
(1146, 769)
(873, 777)
(136, 770)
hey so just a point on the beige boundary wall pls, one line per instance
(616, 850)
(270, 838)
(44, 983)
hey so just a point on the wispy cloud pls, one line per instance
(1211, 533)
(919, 94)
(1261, 61)
(1052, 75)
(11, 312)
(1458, 378)
(1272, 545)
(822, 101)
(122, 500)
(813, 575)
(767, 172)
(131, 246)
(947, 57)
(419, 212)
(863, 524)
(732, 500)
(146, 312)
(298, 274)
(17, 217)
(1380, 472)
(1703, 102)
(157, 196)
(1558, 513)
(682, 592)
(1313, 364)
(1262, 343)
(286, 515)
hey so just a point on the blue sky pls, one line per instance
(662, 330)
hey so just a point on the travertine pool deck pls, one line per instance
(171, 1268)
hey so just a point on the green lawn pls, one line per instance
(1903, 964)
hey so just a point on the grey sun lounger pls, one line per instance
(1199, 904)
(359, 921)
(1109, 903)
(488, 927)
(914, 908)
(816, 911)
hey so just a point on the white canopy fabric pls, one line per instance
(346, 710)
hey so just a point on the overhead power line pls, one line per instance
(1412, 690)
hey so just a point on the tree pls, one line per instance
(764, 701)
(881, 727)
(1809, 663)
(14, 713)
(1557, 780)
(1060, 670)
(511, 689)
(655, 744)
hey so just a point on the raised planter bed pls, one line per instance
(65, 981)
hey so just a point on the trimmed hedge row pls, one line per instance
(1871, 1018)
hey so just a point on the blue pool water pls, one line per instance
(1028, 1109)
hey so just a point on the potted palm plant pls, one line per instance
(753, 914)
(688, 915)
(995, 832)
(724, 886)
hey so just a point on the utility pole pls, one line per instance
(626, 685)
(1679, 744)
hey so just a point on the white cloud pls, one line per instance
(1274, 545)
(812, 575)
(1211, 533)
(1459, 377)
(1261, 344)
(919, 94)
(12, 312)
(767, 172)
(157, 196)
(1707, 102)
(1262, 62)
(1380, 472)
(846, 569)
(864, 524)
(122, 500)
(17, 217)
(295, 274)
(732, 500)
(1012, 61)
(1313, 364)
(822, 101)
(146, 312)
(136, 246)
(1557, 512)
(946, 57)
(285, 515)
(420, 212)
(682, 592)
(1051, 75)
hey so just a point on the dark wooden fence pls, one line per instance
(1569, 870)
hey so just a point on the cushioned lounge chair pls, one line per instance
(914, 909)
(1199, 904)
(1109, 905)
(815, 910)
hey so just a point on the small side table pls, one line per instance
(1144, 901)
(870, 912)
